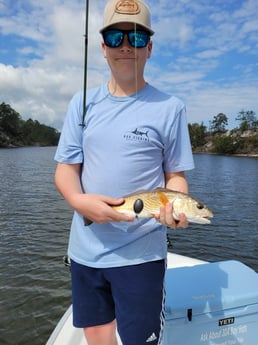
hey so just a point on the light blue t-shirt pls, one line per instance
(125, 146)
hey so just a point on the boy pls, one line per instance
(134, 137)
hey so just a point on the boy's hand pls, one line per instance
(97, 208)
(166, 217)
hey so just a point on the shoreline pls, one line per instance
(250, 155)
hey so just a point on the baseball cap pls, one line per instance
(129, 11)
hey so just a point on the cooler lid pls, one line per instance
(209, 288)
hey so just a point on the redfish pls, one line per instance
(146, 204)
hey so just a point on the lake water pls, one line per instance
(35, 222)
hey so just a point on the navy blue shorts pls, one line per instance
(133, 295)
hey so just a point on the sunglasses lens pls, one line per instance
(113, 38)
(138, 39)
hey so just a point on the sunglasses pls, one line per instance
(113, 38)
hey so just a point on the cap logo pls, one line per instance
(127, 7)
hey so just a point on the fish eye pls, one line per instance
(138, 206)
(200, 206)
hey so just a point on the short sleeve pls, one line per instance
(70, 150)
(177, 151)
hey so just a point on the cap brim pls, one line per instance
(124, 21)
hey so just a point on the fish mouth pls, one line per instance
(204, 220)
(199, 220)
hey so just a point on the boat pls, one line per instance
(206, 304)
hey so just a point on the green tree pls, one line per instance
(37, 133)
(16, 132)
(197, 134)
(219, 123)
(247, 120)
(225, 144)
(10, 120)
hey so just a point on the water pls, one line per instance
(34, 225)
(34, 229)
(229, 186)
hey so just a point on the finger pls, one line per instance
(169, 219)
(161, 216)
(183, 222)
(166, 216)
(114, 201)
(121, 217)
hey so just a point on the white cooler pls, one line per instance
(211, 304)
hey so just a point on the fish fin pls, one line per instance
(163, 198)
(143, 191)
(162, 190)
(167, 190)
(139, 192)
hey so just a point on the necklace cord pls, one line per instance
(85, 63)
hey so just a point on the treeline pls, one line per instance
(217, 139)
(14, 131)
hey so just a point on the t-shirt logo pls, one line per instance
(138, 134)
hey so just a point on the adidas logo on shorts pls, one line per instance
(151, 338)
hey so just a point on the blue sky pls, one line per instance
(205, 52)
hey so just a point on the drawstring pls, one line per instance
(85, 62)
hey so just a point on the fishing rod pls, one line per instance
(85, 61)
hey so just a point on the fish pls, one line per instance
(137, 132)
(146, 204)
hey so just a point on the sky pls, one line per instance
(204, 52)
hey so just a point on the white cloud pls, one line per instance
(42, 89)
(207, 103)
(192, 41)
(210, 53)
